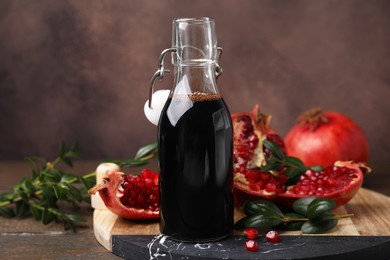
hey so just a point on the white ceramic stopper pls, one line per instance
(158, 101)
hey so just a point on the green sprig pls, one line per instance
(311, 215)
(40, 195)
(49, 187)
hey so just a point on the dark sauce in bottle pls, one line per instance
(196, 168)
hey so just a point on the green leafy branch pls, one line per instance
(311, 215)
(42, 194)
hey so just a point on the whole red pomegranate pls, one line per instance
(250, 130)
(131, 196)
(322, 138)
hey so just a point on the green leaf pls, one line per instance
(18, 186)
(132, 163)
(49, 195)
(7, 212)
(128, 163)
(87, 182)
(68, 161)
(68, 178)
(300, 206)
(272, 165)
(317, 168)
(33, 160)
(62, 149)
(293, 174)
(47, 216)
(8, 196)
(66, 155)
(21, 209)
(146, 150)
(274, 149)
(295, 162)
(71, 194)
(74, 150)
(259, 221)
(52, 175)
(27, 186)
(58, 192)
(261, 206)
(76, 218)
(23, 196)
(68, 224)
(36, 211)
(319, 225)
(319, 206)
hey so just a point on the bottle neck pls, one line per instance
(189, 79)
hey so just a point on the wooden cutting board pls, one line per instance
(361, 236)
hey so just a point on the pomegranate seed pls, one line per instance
(141, 191)
(270, 187)
(272, 236)
(328, 180)
(149, 182)
(251, 233)
(251, 245)
(252, 175)
(255, 186)
(244, 155)
(265, 176)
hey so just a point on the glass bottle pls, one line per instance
(195, 140)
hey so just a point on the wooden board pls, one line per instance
(365, 233)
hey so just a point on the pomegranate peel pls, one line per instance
(110, 191)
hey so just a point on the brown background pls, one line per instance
(79, 70)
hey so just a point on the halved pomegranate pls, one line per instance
(339, 183)
(250, 130)
(129, 196)
(251, 181)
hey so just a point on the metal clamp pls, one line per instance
(218, 69)
(159, 74)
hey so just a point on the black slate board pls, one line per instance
(291, 247)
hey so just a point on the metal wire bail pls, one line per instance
(159, 74)
(218, 69)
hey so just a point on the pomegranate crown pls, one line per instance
(262, 119)
(313, 118)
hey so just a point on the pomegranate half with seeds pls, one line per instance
(339, 182)
(250, 130)
(133, 197)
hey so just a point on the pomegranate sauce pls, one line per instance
(196, 168)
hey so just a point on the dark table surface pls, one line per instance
(29, 239)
